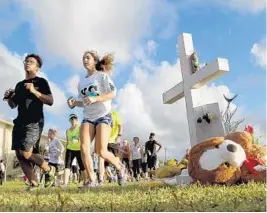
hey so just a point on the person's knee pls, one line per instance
(24, 154)
(103, 153)
(35, 159)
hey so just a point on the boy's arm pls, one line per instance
(45, 94)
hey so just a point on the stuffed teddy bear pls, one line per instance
(223, 160)
(254, 167)
(216, 161)
(227, 160)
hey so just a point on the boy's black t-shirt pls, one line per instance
(30, 108)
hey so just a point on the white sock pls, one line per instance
(55, 180)
(66, 176)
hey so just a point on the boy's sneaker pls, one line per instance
(50, 177)
(101, 183)
(121, 176)
(32, 187)
(88, 185)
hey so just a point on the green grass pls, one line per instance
(143, 196)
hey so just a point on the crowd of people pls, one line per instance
(100, 125)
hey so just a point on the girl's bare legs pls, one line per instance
(87, 134)
(101, 142)
(101, 168)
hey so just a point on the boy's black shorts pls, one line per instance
(26, 136)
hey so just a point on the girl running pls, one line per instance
(97, 120)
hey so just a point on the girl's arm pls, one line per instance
(106, 97)
(78, 104)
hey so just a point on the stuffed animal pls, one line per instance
(254, 167)
(227, 160)
(216, 161)
(223, 160)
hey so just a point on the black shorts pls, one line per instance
(137, 165)
(151, 161)
(70, 155)
(26, 136)
(112, 147)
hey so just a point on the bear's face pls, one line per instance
(227, 153)
(216, 160)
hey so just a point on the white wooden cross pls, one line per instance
(192, 80)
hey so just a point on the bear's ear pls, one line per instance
(242, 138)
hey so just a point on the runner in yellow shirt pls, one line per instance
(73, 148)
(115, 137)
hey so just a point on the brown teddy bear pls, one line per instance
(254, 167)
(227, 160)
(216, 161)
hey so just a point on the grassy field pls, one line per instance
(143, 196)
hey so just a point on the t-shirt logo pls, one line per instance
(27, 103)
(74, 139)
(90, 91)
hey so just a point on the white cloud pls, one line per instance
(144, 111)
(151, 47)
(242, 6)
(12, 72)
(64, 30)
(253, 6)
(259, 52)
(72, 85)
(60, 101)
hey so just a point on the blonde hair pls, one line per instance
(105, 64)
(54, 131)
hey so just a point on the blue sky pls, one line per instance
(218, 31)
